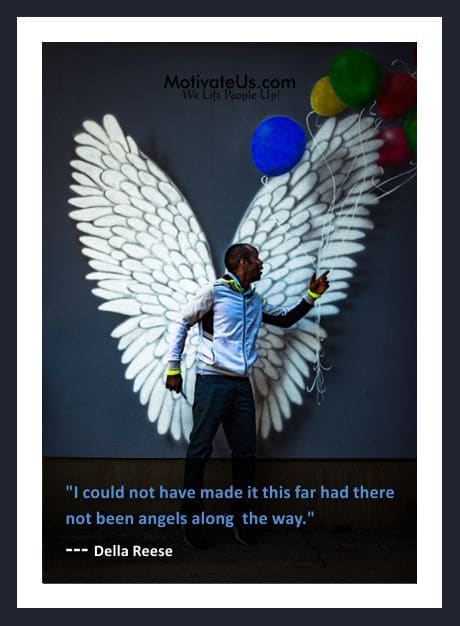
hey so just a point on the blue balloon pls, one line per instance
(278, 143)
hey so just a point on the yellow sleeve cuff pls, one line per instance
(173, 372)
(313, 294)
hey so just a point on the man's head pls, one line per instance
(243, 260)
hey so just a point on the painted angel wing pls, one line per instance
(148, 255)
(308, 219)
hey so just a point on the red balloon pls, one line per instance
(394, 151)
(397, 95)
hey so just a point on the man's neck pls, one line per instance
(240, 279)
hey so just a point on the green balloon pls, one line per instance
(410, 130)
(355, 77)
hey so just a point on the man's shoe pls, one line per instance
(194, 537)
(245, 535)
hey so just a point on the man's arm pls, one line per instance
(193, 311)
(285, 317)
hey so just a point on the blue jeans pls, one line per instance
(225, 400)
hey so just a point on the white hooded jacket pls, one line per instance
(229, 319)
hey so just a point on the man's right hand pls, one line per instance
(174, 383)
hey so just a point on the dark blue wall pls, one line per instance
(90, 410)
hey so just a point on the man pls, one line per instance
(230, 314)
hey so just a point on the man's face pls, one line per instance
(254, 265)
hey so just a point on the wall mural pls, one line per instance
(149, 255)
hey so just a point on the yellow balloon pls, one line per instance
(323, 99)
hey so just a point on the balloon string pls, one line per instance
(411, 171)
(388, 180)
(378, 120)
(318, 379)
(327, 231)
(331, 206)
(265, 180)
(319, 368)
(325, 240)
(358, 199)
(403, 63)
(390, 191)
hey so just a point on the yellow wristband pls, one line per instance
(173, 372)
(314, 295)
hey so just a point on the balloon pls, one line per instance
(395, 151)
(397, 95)
(355, 77)
(410, 130)
(278, 143)
(323, 99)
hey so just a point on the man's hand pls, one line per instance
(174, 383)
(319, 285)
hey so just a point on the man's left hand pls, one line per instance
(319, 285)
